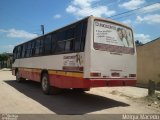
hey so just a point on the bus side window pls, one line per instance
(69, 46)
(83, 38)
(70, 33)
(15, 53)
(60, 44)
(78, 35)
(19, 52)
(28, 49)
(47, 44)
(32, 48)
(37, 47)
(70, 36)
(41, 46)
(23, 51)
(61, 35)
(54, 39)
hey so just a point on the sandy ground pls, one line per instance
(27, 98)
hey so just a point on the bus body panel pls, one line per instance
(54, 62)
(106, 63)
(88, 48)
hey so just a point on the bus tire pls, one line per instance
(18, 78)
(45, 84)
(46, 87)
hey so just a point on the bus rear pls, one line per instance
(111, 58)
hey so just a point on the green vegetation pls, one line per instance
(6, 60)
(4, 57)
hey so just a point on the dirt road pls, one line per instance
(27, 98)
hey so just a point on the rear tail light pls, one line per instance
(132, 75)
(95, 74)
(115, 74)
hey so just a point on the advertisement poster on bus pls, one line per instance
(112, 34)
(73, 62)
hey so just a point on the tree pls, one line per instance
(3, 60)
(138, 43)
(4, 57)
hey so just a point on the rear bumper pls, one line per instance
(75, 82)
(112, 82)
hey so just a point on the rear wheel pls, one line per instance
(46, 87)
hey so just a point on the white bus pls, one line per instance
(92, 52)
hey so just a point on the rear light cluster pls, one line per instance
(115, 74)
(132, 75)
(95, 74)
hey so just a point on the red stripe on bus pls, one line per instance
(30, 75)
(62, 81)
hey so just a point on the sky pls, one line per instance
(20, 20)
